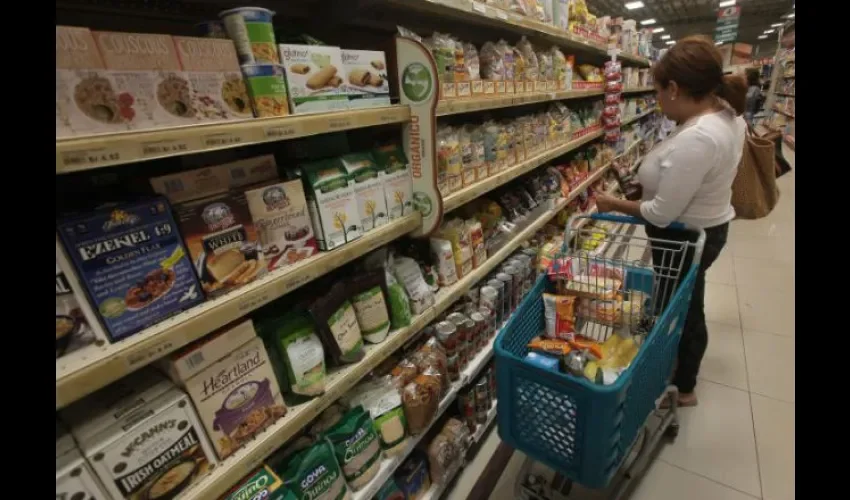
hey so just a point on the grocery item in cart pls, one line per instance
(554, 347)
(280, 216)
(356, 447)
(252, 32)
(314, 473)
(222, 241)
(132, 262)
(215, 77)
(560, 314)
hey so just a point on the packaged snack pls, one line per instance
(370, 305)
(296, 352)
(314, 77)
(251, 30)
(532, 66)
(262, 483)
(546, 70)
(442, 454)
(132, 264)
(542, 361)
(467, 157)
(390, 491)
(412, 476)
(408, 273)
(561, 71)
(279, 212)
(492, 62)
(314, 473)
(356, 447)
(555, 347)
(507, 54)
(590, 73)
(472, 62)
(457, 233)
(443, 49)
(366, 78)
(449, 161)
(476, 238)
(267, 88)
(382, 399)
(421, 398)
(332, 203)
(479, 161)
(404, 372)
(444, 262)
(368, 188)
(328, 418)
(337, 325)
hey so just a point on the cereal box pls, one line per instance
(148, 83)
(218, 90)
(315, 77)
(222, 241)
(75, 479)
(133, 264)
(77, 326)
(366, 78)
(280, 215)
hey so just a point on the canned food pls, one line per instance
(531, 253)
(466, 405)
(489, 297)
(474, 345)
(491, 321)
(509, 300)
(481, 333)
(524, 263)
(516, 275)
(501, 307)
(463, 333)
(482, 392)
(491, 376)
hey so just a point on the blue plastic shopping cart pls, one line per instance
(584, 430)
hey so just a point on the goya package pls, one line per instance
(261, 484)
(315, 474)
(356, 447)
(133, 264)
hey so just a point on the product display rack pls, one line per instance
(83, 372)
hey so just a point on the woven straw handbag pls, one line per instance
(754, 191)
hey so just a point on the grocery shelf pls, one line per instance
(785, 95)
(637, 117)
(246, 459)
(478, 12)
(472, 192)
(467, 105)
(448, 295)
(78, 153)
(639, 89)
(781, 112)
(482, 429)
(77, 376)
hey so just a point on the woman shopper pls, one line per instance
(753, 100)
(688, 178)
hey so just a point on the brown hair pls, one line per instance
(696, 66)
(753, 77)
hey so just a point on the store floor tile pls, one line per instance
(767, 310)
(774, 424)
(770, 364)
(724, 362)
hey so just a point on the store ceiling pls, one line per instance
(680, 18)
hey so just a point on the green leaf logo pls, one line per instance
(417, 82)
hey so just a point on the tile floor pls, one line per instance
(738, 444)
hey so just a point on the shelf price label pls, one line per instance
(88, 158)
(164, 147)
(223, 139)
(278, 132)
(340, 123)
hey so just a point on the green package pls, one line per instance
(314, 473)
(263, 483)
(356, 447)
(299, 358)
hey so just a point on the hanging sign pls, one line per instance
(728, 20)
(417, 77)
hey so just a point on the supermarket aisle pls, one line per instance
(738, 444)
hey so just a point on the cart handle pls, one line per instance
(628, 219)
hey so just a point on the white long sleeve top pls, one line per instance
(688, 176)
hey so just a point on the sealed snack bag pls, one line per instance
(560, 314)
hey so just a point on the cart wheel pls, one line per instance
(672, 431)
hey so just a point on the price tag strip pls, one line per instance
(90, 152)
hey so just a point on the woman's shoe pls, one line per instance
(686, 400)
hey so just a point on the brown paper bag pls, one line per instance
(754, 191)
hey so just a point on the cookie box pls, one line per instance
(133, 265)
(366, 78)
(314, 77)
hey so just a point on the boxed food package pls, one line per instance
(263, 483)
(77, 325)
(236, 396)
(252, 32)
(64, 441)
(366, 78)
(395, 176)
(412, 476)
(155, 451)
(132, 261)
(219, 92)
(332, 203)
(314, 77)
(75, 479)
(222, 241)
(147, 78)
(280, 215)
(215, 179)
(368, 189)
(86, 100)
(193, 358)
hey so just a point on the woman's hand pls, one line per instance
(605, 203)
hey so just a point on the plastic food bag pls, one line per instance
(444, 48)
(492, 63)
(407, 271)
(357, 447)
(560, 314)
(449, 161)
(546, 70)
(507, 53)
(441, 251)
(472, 62)
(467, 151)
(532, 67)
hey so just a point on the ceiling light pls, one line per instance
(634, 5)
(658, 30)
(718, 43)
(777, 25)
(727, 3)
(670, 42)
(762, 37)
(647, 21)
(665, 37)
(769, 31)
(791, 16)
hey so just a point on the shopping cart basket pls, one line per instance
(582, 429)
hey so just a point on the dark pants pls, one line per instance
(695, 333)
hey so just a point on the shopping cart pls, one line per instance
(586, 432)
